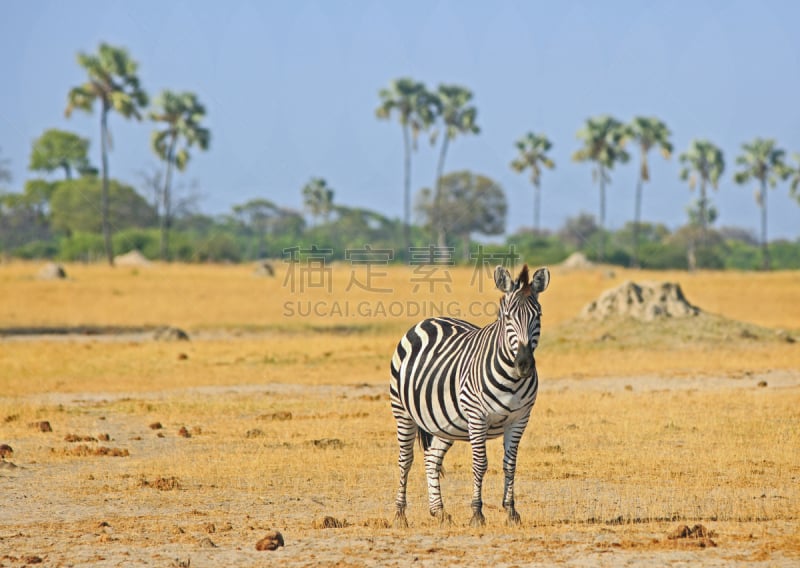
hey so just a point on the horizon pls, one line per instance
(291, 91)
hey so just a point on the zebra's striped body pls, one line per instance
(452, 380)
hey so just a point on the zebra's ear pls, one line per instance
(503, 279)
(541, 278)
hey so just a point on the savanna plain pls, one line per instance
(130, 450)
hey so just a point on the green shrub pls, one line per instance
(36, 249)
(86, 247)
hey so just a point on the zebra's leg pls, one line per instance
(511, 438)
(477, 438)
(406, 433)
(434, 455)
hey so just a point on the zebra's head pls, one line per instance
(521, 314)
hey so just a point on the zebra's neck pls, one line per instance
(498, 358)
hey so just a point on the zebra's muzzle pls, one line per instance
(524, 363)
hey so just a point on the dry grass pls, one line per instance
(274, 343)
(289, 423)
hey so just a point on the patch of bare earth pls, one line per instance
(222, 497)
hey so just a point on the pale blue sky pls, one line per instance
(291, 89)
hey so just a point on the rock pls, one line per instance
(330, 523)
(281, 415)
(5, 451)
(646, 302)
(698, 535)
(325, 443)
(132, 258)
(170, 334)
(681, 531)
(52, 271)
(271, 541)
(42, 426)
(264, 268)
(577, 260)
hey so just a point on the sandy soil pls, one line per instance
(82, 513)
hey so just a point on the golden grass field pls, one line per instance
(638, 428)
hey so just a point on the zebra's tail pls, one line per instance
(425, 439)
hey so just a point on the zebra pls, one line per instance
(452, 380)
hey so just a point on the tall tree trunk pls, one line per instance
(438, 222)
(764, 244)
(166, 215)
(602, 251)
(637, 217)
(537, 201)
(104, 207)
(703, 211)
(407, 191)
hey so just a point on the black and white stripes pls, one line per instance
(452, 380)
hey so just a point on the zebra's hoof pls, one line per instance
(400, 521)
(514, 519)
(445, 520)
(477, 521)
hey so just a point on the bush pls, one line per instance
(785, 255)
(86, 247)
(742, 256)
(146, 241)
(660, 256)
(36, 249)
(538, 249)
(218, 247)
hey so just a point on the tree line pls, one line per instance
(604, 142)
(113, 86)
(87, 213)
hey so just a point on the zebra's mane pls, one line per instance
(523, 280)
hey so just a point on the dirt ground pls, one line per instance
(95, 510)
(129, 450)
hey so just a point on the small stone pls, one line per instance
(271, 541)
(42, 426)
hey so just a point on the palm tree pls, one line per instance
(794, 176)
(114, 83)
(604, 144)
(181, 115)
(416, 109)
(647, 132)
(533, 150)
(763, 161)
(318, 198)
(702, 162)
(451, 104)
